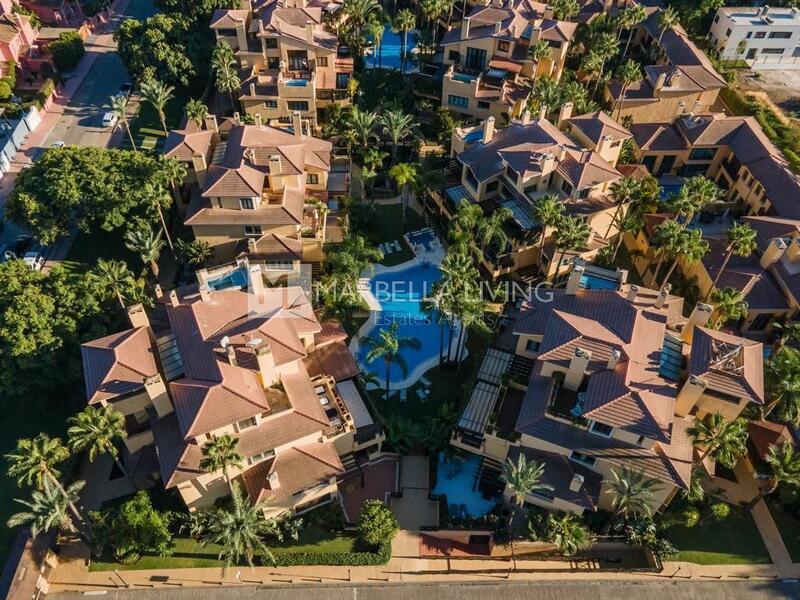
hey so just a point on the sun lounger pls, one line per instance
(397, 246)
(382, 247)
(425, 381)
(403, 395)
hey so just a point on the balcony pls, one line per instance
(335, 409)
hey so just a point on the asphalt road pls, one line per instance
(545, 590)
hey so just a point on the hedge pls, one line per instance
(337, 559)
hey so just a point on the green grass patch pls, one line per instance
(190, 554)
(732, 541)
(389, 228)
(88, 247)
(788, 524)
(146, 124)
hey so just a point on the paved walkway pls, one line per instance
(414, 510)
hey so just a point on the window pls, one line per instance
(472, 180)
(601, 429)
(459, 101)
(640, 440)
(298, 60)
(270, 104)
(483, 104)
(780, 35)
(491, 186)
(322, 61)
(728, 33)
(271, 42)
(512, 174)
(749, 35)
(247, 203)
(532, 346)
(476, 59)
(301, 105)
(772, 50)
(453, 55)
(716, 19)
(503, 46)
(257, 458)
(582, 458)
(702, 154)
(566, 187)
(252, 230)
(273, 62)
(312, 178)
(246, 423)
(342, 80)
(761, 34)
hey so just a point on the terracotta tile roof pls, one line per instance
(334, 359)
(273, 246)
(587, 170)
(228, 18)
(513, 18)
(558, 31)
(658, 137)
(184, 145)
(118, 364)
(291, 22)
(289, 211)
(765, 434)
(728, 364)
(597, 125)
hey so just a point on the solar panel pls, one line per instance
(671, 358)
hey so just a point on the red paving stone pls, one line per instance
(431, 547)
(379, 479)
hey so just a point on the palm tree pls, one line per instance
(632, 492)
(398, 126)
(173, 173)
(406, 21)
(522, 478)
(223, 65)
(572, 233)
(375, 30)
(430, 9)
(402, 432)
(363, 123)
(112, 276)
(538, 52)
(159, 198)
(95, 429)
(405, 175)
(605, 46)
(695, 491)
(491, 230)
(147, 245)
(628, 73)
(569, 534)
(157, 94)
(783, 383)
(634, 15)
(220, 454)
(684, 244)
(35, 462)
(47, 509)
(564, 10)
(697, 192)
(239, 530)
(547, 211)
(195, 253)
(784, 463)
(359, 13)
(788, 332)
(725, 441)
(632, 222)
(729, 304)
(547, 95)
(667, 19)
(741, 242)
(387, 345)
(592, 64)
(624, 191)
(196, 111)
(119, 106)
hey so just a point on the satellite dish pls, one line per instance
(225, 341)
(255, 342)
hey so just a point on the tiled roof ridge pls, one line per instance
(303, 450)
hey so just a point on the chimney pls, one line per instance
(662, 295)
(632, 292)
(605, 142)
(465, 28)
(699, 317)
(793, 250)
(251, 245)
(488, 130)
(297, 124)
(310, 31)
(577, 369)
(205, 296)
(564, 114)
(272, 481)
(574, 280)
(525, 117)
(173, 298)
(259, 122)
(681, 108)
(266, 364)
(765, 10)
(774, 252)
(576, 482)
(660, 80)
(543, 112)
(137, 316)
(275, 164)
(230, 351)
(256, 281)
(237, 119)
(158, 291)
(210, 122)
(548, 164)
(199, 167)
(613, 359)
(497, 27)
(675, 80)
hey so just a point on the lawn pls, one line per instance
(788, 524)
(734, 541)
(190, 554)
(87, 248)
(147, 123)
(389, 228)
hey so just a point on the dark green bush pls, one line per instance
(67, 50)
(380, 556)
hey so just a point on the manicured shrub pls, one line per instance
(67, 50)
(691, 517)
(720, 510)
(376, 524)
(5, 89)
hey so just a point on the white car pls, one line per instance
(58, 144)
(34, 260)
(109, 119)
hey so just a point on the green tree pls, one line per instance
(696, 192)
(386, 346)
(723, 440)
(136, 528)
(147, 245)
(729, 305)
(565, 10)
(363, 124)
(405, 176)
(741, 242)
(196, 111)
(375, 30)
(401, 432)
(398, 126)
(195, 252)
(522, 478)
(572, 233)
(547, 211)
(547, 95)
(376, 524)
(221, 454)
(569, 535)
(158, 199)
(784, 464)
(783, 384)
(47, 509)
(67, 50)
(223, 64)
(537, 52)
(114, 277)
(119, 106)
(632, 16)
(405, 21)
(358, 14)
(157, 94)
(628, 73)
(632, 492)
(667, 19)
(95, 430)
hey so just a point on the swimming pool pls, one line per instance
(594, 282)
(423, 237)
(456, 477)
(400, 294)
(296, 82)
(670, 189)
(390, 51)
(234, 279)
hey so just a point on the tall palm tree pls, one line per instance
(538, 52)
(430, 10)
(359, 13)
(787, 332)
(547, 95)
(569, 534)
(605, 46)
(633, 223)
(159, 199)
(405, 21)
(492, 230)
(147, 245)
(36, 461)
(783, 383)
(406, 176)
(624, 191)
(363, 124)
(564, 10)
(196, 111)
(223, 65)
(95, 429)
(572, 233)
(729, 305)
(47, 509)
(157, 94)
(386, 346)
(784, 464)
(725, 441)
(114, 276)
(666, 238)
(398, 126)
(667, 19)
(741, 242)
(522, 478)
(634, 15)
(689, 246)
(375, 30)
(592, 65)
(697, 191)
(173, 172)
(627, 74)
(632, 492)
(119, 106)
(239, 530)
(220, 454)
(195, 252)
(547, 211)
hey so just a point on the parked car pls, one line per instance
(34, 260)
(18, 247)
(109, 119)
(125, 90)
(58, 144)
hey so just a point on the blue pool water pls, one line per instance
(458, 194)
(296, 82)
(391, 48)
(456, 478)
(592, 282)
(234, 279)
(464, 77)
(424, 238)
(670, 189)
(400, 294)
(476, 135)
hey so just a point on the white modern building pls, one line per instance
(767, 38)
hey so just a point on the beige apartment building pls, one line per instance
(487, 67)
(253, 363)
(603, 379)
(290, 58)
(512, 167)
